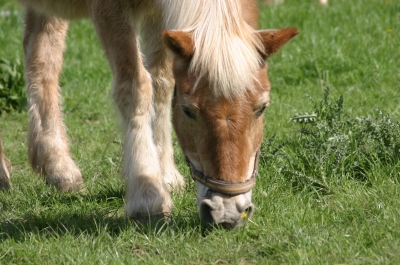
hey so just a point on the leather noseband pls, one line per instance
(225, 187)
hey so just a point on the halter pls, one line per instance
(225, 187)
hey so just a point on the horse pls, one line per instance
(204, 60)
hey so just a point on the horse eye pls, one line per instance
(260, 111)
(188, 113)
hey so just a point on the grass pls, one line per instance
(306, 212)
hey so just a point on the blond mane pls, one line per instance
(225, 45)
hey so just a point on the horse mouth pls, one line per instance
(226, 212)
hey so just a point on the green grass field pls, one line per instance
(328, 190)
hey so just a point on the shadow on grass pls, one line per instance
(92, 213)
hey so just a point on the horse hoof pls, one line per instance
(174, 182)
(77, 186)
(5, 185)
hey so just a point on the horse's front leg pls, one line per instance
(48, 145)
(132, 93)
(5, 166)
(160, 68)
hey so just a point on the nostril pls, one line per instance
(248, 212)
(205, 213)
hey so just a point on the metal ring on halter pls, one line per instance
(225, 187)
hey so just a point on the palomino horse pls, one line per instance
(221, 90)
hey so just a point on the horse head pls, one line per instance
(220, 135)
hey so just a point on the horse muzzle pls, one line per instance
(227, 211)
(221, 202)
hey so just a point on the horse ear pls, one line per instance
(179, 42)
(274, 39)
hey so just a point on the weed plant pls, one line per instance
(329, 146)
(12, 84)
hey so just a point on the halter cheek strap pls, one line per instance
(225, 187)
